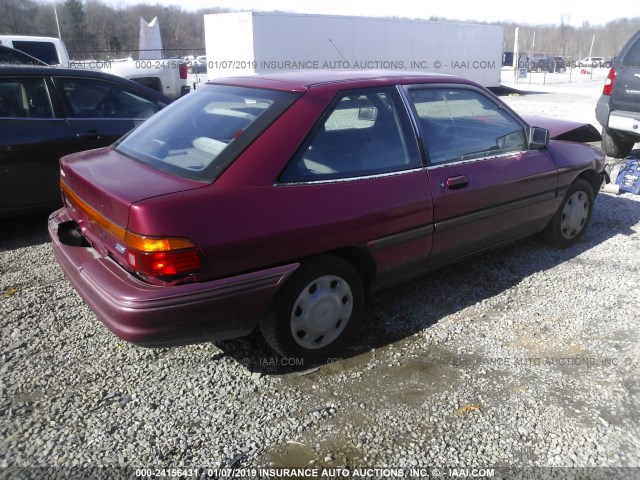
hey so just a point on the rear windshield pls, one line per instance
(45, 51)
(199, 135)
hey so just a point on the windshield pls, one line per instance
(201, 134)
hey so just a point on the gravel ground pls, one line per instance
(524, 357)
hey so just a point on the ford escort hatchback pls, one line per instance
(280, 201)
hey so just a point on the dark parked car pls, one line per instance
(281, 200)
(618, 108)
(549, 63)
(536, 63)
(556, 64)
(46, 113)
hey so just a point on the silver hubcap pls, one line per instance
(321, 312)
(574, 215)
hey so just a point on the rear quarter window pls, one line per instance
(632, 57)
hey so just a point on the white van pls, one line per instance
(50, 50)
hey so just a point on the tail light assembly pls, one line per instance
(163, 258)
(608, 84)
(183, 71)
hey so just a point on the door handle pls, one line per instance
(458, 181)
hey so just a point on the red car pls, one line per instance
(280, 201)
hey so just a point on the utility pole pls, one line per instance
(55, 12)
(516, 56)
(592, 41)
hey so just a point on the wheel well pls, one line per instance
(593, 178)
(361, 260)
(622, 136)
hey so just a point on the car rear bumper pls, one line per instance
(628, 122)
(150, 315)
(602, 110)
(622, 122)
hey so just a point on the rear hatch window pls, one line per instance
(198, 136)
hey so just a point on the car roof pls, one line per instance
(36, 71)
(29, 37)
(302, 80)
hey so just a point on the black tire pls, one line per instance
(614, 146)
(335, 291)
(568, 225)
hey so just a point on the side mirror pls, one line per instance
(538, 138)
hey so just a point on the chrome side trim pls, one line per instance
(351, 179)
(473, 160)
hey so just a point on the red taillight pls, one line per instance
(161, 257)
(148, 256)
(164, 264)
(183, 71)
(608, 84)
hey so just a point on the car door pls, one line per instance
(487, 187)
(358, 178)
(32, 139)
(99, 111)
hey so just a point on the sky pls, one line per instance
(523, 12)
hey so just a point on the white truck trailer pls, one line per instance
(248, 42)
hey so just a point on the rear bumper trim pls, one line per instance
(153, 315)
(625, 122)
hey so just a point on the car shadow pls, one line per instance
(23, 231)
(390, 316)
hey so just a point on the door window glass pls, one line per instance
(88, 98)
(24, 98)
(462, 124)
(365, 133)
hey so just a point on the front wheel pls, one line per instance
(317, 309)
(570, 221)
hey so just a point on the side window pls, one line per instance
(89, 98)
(632, 58)
(365, 132)
(462, 124)
(24, 98)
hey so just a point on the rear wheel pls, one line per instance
(316, 310)
(570, 221)
(614, 146)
